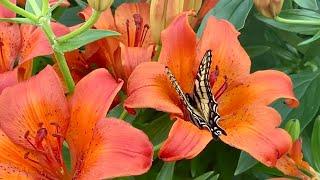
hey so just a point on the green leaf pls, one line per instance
(85, 38)
(315, 143)
(235, 11)
(166, 172)
(66, 156)
(314, 38)
(33, 6)
(295, 14)
(306, 85)
(254, 51)
(69, 16)
(308, 4)
(207, 176)
(17, 20)
(158, 129)
(245, 163)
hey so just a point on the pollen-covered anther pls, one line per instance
(222, 89)
(140, 33)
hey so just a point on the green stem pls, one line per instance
(61, 60)
(123, 115)
(63, 66)
(45, 6)
(18, 10)
(87, 25)
(296, 21)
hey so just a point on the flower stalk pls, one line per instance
(87, 25)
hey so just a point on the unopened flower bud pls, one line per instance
(269, 8)
(100, 5)
(293, 128)
(162, 12)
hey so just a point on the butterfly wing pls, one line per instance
(195, 115)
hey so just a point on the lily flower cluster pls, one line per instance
(38, 119)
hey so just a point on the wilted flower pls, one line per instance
(36, 118)
(242, 101)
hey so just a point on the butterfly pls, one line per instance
(201, 104)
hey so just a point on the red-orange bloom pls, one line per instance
(36, 118)
(250, 124)
(18, 45)
(292, 164)
(122, 54)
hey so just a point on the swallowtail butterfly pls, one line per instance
(201, 104)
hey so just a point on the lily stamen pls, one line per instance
(214, 75)
(26, 156)
(146, 27)
(222, 89)
(128, 32)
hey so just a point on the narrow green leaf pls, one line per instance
(17, 20)
(295, 14)
(315, 143)
(207, 176)
(235, 11)
(314, 38)
(245, 163)
(33, 6)
(166, 172)
(306, 85)
(254, 51)
(308, 4)
(87, 37)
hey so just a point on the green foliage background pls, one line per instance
(290, 47)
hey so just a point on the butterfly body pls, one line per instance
(201, 104)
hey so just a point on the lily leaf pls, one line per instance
(85, 38)
(166, 172)
(235, 11)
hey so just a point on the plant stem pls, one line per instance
(123, 115)
(18, 10)
(61, 60)
(87, 25)
(296, 21)
(63, 66)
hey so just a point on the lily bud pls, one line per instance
(162, 12)
(100, 5)
(315, 143)
(293, 128)
(269, 8)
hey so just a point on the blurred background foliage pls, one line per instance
(290, 44)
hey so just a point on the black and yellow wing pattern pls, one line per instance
(201, 104)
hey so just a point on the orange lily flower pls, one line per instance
(242, 102)
(18, 45)
(121, 55)
(292, 163)
(36, 117)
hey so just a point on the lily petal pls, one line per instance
(222, 38)
(179, 51)
(116, 149)
(127, 12)
(34, 104)
(10, 41)
(13, 165)
(133, 56)
(261, 87)
(149, 87)
(87, 108)
(6, 13)
(185, 141)
(8, 79)
(254, 130)
(35, 43)
(105, 21)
